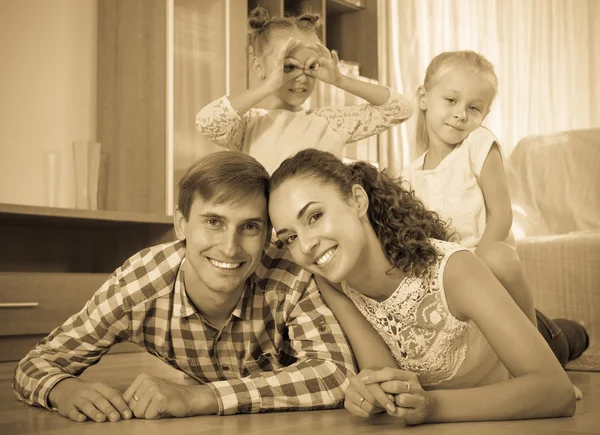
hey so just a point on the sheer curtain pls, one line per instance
(546, 56)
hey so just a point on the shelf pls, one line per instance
(338, 7)
(22, 213)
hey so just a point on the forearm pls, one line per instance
(305, 385)
(248, 99)
(374, 94)
(34, 379)
(497, 228)
(525, 397)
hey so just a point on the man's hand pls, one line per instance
(152, 398)
(79, 400)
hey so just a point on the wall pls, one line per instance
(47, 93)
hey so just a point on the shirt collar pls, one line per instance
(184, 307)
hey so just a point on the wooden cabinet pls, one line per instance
(350, 27)
(159, 63)
(53, 260)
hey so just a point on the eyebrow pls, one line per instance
(218, 216)
(299, 216)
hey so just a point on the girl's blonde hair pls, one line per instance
(437, 69)
(262, 26)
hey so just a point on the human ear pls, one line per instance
(179, 222)
(258, 67)
(360, 200)
(422, 97)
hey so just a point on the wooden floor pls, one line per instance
(119, 370)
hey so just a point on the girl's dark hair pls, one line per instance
(402, 223)
(262, 26)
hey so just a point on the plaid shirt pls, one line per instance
(282, 348)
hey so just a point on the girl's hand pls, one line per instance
(283, 69)
(413, 404)
(324, 66)
(365, 400)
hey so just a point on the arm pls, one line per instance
(224, 120)
(46, 376)
(540, 387)
(317, 380)
(497, 199)
(385, 109)
(219, 123)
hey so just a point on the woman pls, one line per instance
(464, 349)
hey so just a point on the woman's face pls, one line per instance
(321, 228)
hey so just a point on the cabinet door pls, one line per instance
(208, 60)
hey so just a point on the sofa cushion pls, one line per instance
(554, 182)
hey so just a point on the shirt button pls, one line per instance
(225, 368)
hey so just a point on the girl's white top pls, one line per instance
(273, 135)
(423, 335)
(453, 189)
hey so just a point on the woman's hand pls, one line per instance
(365, 400)
(324, 66)
(413, 404)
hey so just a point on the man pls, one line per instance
(246, 323)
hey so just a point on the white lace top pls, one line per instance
(273, 135)
(423, 335)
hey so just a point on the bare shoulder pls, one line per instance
(465, 276)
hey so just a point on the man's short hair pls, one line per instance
(223, 176)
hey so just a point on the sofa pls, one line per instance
(554, 183)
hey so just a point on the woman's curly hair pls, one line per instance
(402, 223)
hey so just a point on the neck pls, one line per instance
(376, 277)
(216, 307)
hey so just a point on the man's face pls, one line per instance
(224, 244)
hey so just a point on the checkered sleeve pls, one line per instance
(319, 377)
(75, 345)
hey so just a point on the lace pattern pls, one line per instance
(221, 124)
(354, 123)
(424, 337)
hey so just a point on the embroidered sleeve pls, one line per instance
(221, 124)
(354, 123)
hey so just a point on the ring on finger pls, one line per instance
(134, 397)
(407, 387)
(362, 399)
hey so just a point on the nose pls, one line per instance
(308, 244)
(461, 113)
(230, 245)
(301, 78)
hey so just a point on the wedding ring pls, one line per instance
(362, 399)
(134, 397)
(407, 387)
